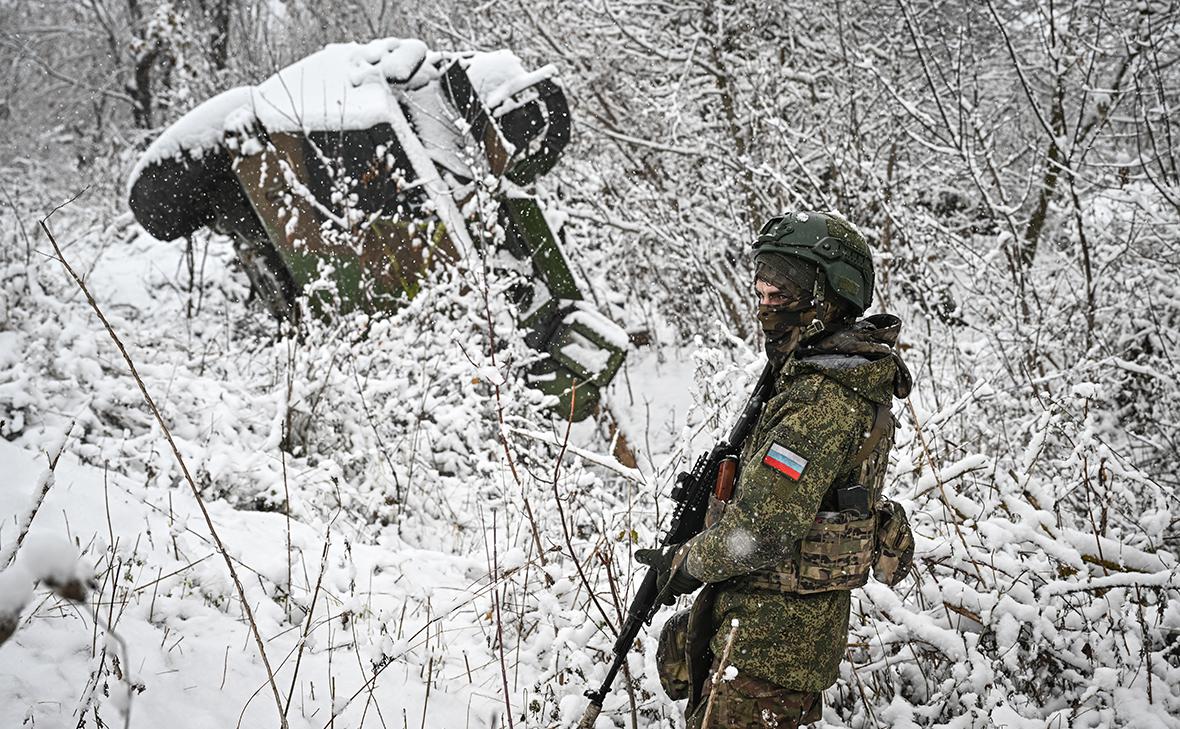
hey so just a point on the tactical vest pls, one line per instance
(844, 546)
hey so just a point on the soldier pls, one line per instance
(807, 522)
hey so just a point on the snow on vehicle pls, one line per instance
(354, 167)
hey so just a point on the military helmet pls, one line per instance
(829, 242)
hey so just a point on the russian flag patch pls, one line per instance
(785, 460)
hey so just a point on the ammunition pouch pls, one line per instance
(895, 544)
(672, 657)
(837, 554)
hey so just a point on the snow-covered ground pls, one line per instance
(185, 653)
(395, 599)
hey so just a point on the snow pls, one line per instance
(592, 319)
(592, 358)
(491, 71)
(741, 544)
(347, 86)
(514, 85)
(344, 86)
(186, 640)
(51, 557)
(420, 487)
(16, 589)
(199, 130)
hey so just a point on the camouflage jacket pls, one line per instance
(822, 407)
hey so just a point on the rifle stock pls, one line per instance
(691, 495)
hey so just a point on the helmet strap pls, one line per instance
(817, 291)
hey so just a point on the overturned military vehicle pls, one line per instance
(351, 173)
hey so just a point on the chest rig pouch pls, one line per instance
(845, 544)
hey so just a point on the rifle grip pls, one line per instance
(726, 476)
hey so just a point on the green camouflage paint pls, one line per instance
(373, 266)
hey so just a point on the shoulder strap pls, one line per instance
(880, 418)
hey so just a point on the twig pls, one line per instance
(634, 475)
(307, 623)
(44, 482)
(956, 515)
(503, 429)
(21, 225)
(716, 679)
(126, 668)
(429, 683)
(565, 530)
(382, 449)
(372, 698)
(860, 687)
(612, 580)
(233, 573)
(499, 624)
(283, 460)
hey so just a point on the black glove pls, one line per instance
(671, 576)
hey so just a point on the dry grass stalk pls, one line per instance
(307, 622)
(499, 627)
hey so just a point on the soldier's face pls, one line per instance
(771, 295)
(768, 294)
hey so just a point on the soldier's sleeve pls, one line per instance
(782, 483)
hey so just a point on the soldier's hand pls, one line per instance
(672, 577)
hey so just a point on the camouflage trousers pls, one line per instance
(744, 702)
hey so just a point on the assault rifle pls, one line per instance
(714, 473)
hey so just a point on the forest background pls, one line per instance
(421, 545)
